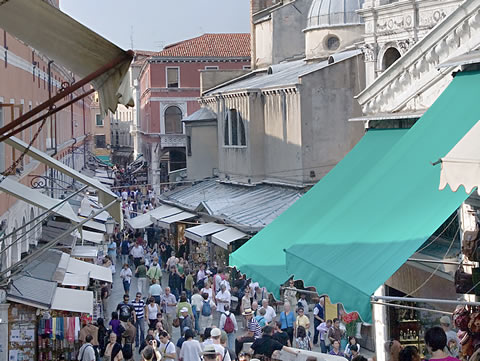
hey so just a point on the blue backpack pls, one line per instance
(206, 309)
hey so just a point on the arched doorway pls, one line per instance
(390, 56)
(173, 120)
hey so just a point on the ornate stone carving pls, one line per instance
(404, 45)
(369, 52)
(173, 140)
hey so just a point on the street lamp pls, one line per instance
(110, 225)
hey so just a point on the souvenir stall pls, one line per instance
(22, 325)
(201, 247)
(226, 242)
(175, 226)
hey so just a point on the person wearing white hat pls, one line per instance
(216, 333)
(453, 342)
(210, 353)
(186, 320)
(254, 331)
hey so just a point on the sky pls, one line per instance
(152, 24)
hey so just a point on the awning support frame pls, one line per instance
(68, 90)
(51, 244)
(410, 307)
(425, 300)
(48, 114)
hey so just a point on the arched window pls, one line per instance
(390, 57)
(173, 120)
(234, 130)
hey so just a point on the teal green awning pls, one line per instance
(263, 258)
(105, 159)
(360, 223)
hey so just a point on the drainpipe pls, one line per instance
(84, 133)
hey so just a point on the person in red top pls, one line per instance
(436, 341)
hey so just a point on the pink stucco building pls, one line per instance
(169, 88)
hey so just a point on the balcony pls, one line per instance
(173, 141)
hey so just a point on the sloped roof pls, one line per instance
(248, 208)
(203, 114)
(233, 45)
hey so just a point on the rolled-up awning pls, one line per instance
(461, 165)
(34, 197)
(105, 195)
(201, 232)
(67, 42)
(94, 271)
(366, 217)
(167, 221)
(66, 299)
(227, 236)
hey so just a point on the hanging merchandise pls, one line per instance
(58, 336)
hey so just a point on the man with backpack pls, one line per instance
(228, 323)
(126, 310)
(86, 352)
(206, 312)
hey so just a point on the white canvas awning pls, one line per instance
(84, 252)
(66, 299)
(461, 166)
(76, 280)
(63, 39)
(107, 181)
(34, 197)
(94, 225)
(227, 236)
(201, 232)
(105, 195)
(147, 219)
(89, 236)
(94, 271)
(167, 221)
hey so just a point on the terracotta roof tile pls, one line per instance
(210, 46)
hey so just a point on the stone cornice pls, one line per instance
(416, 70)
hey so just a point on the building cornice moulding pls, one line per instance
(416, 69)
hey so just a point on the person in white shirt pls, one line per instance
(270, 313)
(137, 253)
(155, 290)
(191, 349)
(208, 290)
(303, 302)
(201, 273)
(86, 352)
(124, 195)
(223, 298)
(197, 303)
(166, 347)
(223, 320)
(216, 333)
(126, 276)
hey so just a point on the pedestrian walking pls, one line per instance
(137, 253)
(113, 350)
(191, 349)
(155, 271)
(323, 330)
(186, 321)
(228, 323)
(139, 307)
(155, 290)
(270, 313)
(175, 281)
(183, 303)
(126, 310)
(302, 320)
(152, 310)
(196, 302)
(112, 250)
(303, 341)
(141, 276)
(318, 318)
(335, 333)
(87, 352)
(124, 250)
(287, 318)
(168, 302)
(206, 313)
(128, 338)
(336, 349)
(254, 331)
(166, 347)
(126, 276)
